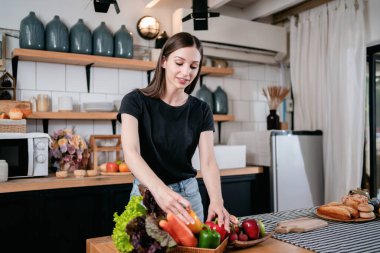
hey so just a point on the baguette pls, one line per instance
(354, 212)
(337, 212)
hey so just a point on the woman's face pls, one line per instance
(181, 67)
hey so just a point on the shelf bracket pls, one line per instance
(113, 122)
(88, 77)
(45, 125)
(148, 75)
(14, 66)
(219, 131)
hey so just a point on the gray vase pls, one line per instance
(205, 95)
(220, 101)
(57, 36)
(102, 41)
(32, 32)
(80, 38)
(123, 43)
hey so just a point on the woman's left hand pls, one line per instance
(218, 210)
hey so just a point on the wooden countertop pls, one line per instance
(51, 182)
(105, 245)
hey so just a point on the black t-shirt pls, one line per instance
(168, 135)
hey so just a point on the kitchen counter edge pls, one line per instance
(52, 182)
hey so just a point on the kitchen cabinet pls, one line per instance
(62, 219)
(45, 116)
(21, 54)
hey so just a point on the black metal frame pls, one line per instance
(371, 59)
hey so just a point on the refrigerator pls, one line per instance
(294, 162)
(296, 172)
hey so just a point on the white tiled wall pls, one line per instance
(244, 90)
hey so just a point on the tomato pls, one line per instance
(123, 167)
(197, 226)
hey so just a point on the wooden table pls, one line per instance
(105, 245)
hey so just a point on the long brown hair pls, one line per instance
(156, 87)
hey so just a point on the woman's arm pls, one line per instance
(211, 177)
(166, 198)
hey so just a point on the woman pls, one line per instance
(163, 124)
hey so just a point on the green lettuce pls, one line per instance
(119, 236)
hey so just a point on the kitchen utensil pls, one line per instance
(98, 107)
(300, 225)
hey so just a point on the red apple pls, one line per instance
(112, 167)
(251, 228)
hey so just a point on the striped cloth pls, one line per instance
(344, 237)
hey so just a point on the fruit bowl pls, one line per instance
(247, 244)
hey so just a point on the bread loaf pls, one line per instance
(337, 212)
(366, 215)
(354, 212)
(365, 208)
(354, 200)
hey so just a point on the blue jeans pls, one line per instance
(187, 188)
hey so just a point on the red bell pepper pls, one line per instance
(220, 229)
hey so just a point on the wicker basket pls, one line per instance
(12, 126)
(6, 105)
(181, 249)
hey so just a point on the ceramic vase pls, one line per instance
(80, 38)
(220, 101)
(57, 35)
(123, 43)
(205, 95)
(102, 41)
(273, 121)
(161, 39)
(32, 32)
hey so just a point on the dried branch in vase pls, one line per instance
(275, 95)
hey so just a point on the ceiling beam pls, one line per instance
(260, 9)
(214, 4)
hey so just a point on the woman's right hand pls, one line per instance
(170, 201)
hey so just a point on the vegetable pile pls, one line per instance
(145, 227)
(136, 229)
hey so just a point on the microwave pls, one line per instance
(27, 154)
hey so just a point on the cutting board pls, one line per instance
(300, 225)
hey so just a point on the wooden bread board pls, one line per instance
(300, 225)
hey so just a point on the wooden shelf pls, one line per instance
(99, 116)
(46, 116)
(81, 59)
(222, 118)
(74, 115)
(99, 61)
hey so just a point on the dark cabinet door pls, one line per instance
(70, 216)
(117, 199)
(243, 195)
(19, 222)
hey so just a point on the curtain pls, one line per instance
(327, 59)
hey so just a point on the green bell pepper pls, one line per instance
(208, 238)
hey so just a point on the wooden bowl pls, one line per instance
(61, 174)
(92, 173)
(247, 244)
(182, 249)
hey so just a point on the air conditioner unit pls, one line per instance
(237, 39)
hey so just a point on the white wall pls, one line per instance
(372, 21)
(243, 87)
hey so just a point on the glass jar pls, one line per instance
(42, 103)
(3, 171)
